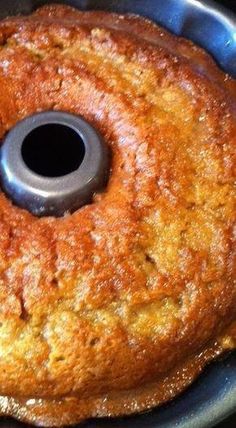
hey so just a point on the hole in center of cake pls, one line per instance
(53, 150)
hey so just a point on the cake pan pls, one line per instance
(212, 397)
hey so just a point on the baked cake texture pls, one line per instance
(118, 307)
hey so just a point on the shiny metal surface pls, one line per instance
(44, 195)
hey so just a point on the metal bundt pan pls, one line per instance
(212, 398)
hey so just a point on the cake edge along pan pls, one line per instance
(212, 397)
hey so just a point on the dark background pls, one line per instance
(229, 3)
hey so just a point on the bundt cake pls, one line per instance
(117, 307)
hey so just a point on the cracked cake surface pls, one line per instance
(118, 307)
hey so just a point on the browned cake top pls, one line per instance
(117, 307)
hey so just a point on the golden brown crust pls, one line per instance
(137, 286)
(69, 410)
